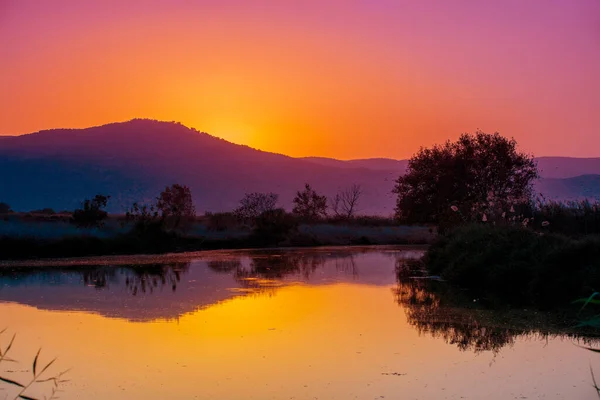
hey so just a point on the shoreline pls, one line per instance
(170, 257)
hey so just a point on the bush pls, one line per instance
(515, 265)
(92, 214)
(176, 207)
(309, 205)
(255, 204)
(272, 227)
(570, 218)
(221, 221)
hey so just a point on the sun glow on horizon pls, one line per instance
(369, 79)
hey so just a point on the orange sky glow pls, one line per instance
(343, 79)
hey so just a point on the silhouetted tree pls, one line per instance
(5, 208)
(176, 207)
(309, 205)
(255, 204)
(345, 203)
(457, 177)
(92, 214)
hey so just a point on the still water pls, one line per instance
(288, 324)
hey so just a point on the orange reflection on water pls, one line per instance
(339, 341)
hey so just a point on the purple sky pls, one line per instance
(391, 75)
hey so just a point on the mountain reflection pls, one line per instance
(435, 309)
(144, 292)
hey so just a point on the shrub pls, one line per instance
(255, 204)
(221, 221)
(272, 227)
(516, 265)
(144, 217)
(309, 205)
(92, 214)
(176, 207)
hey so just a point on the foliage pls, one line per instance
(463, 174)
(309, 205)
(515, 265)
(144, 218)
(5, 208)
(176, 207)
(221, 221)
(273, 226)
(571, 218)
(345, 203)
(255, 204)
(92, 214)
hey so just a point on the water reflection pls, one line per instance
(170, 289)
(312, 323)
(433, 308)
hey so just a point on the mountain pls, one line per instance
(377, 164)
(133, 161)
(567, 167)
(579, 187)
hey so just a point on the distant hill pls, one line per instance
(579, 187)
(567, 167)
(133, 161)
(377, 164)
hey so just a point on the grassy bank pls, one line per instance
(516, 266)
(50, 244)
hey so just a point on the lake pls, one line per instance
(328, 323)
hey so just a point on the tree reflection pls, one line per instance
(435, 309)
(148, 278)
(138, 279)
(265, 272)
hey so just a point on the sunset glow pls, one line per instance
(344, 79)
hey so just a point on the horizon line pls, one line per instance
(8, 135)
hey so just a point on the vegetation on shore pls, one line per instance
(497, 240)
(170, 224)
(516, 266)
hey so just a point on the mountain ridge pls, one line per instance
(134, 160)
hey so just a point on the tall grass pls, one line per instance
(40, 380)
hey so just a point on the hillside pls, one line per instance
(133, 161)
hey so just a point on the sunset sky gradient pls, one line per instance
(344, 79)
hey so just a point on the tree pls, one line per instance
(255, 204)
(176, 207)
(345, 203)
(309, 205)
(92, 214)
(458, 177)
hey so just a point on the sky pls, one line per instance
(343, 79)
